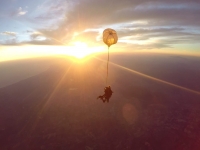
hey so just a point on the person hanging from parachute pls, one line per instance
(107, 94)
(109, 38)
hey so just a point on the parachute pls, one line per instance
(109, 38)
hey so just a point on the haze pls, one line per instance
(53, 66)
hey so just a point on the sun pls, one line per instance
(80, 50)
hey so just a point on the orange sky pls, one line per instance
(44, 27)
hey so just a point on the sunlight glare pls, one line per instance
(81, 50)
(78, 50)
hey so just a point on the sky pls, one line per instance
(28, 27)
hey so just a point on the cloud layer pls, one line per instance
(142, 23)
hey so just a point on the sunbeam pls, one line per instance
(150, 77)
(55, 90)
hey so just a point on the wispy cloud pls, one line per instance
(11, 41)
(9, 33)
(35, 35)
(50, 12)
(19, 12)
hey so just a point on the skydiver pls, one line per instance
(107, 94)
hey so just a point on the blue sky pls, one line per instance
(141, 25)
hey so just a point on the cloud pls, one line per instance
(29, 31)
(19, 12)
(40, 42)
(86, 36)
(35, 35)
(10, 41)
(13, 42)
(159, 32)
(140, 23)
(97, 14)
(162, 14)
(9, 33)
(93, 13)
(50, 12)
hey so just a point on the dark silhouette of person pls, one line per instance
(107, 94)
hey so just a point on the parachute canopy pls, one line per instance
(110, 37)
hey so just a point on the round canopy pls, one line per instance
(110, 37)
